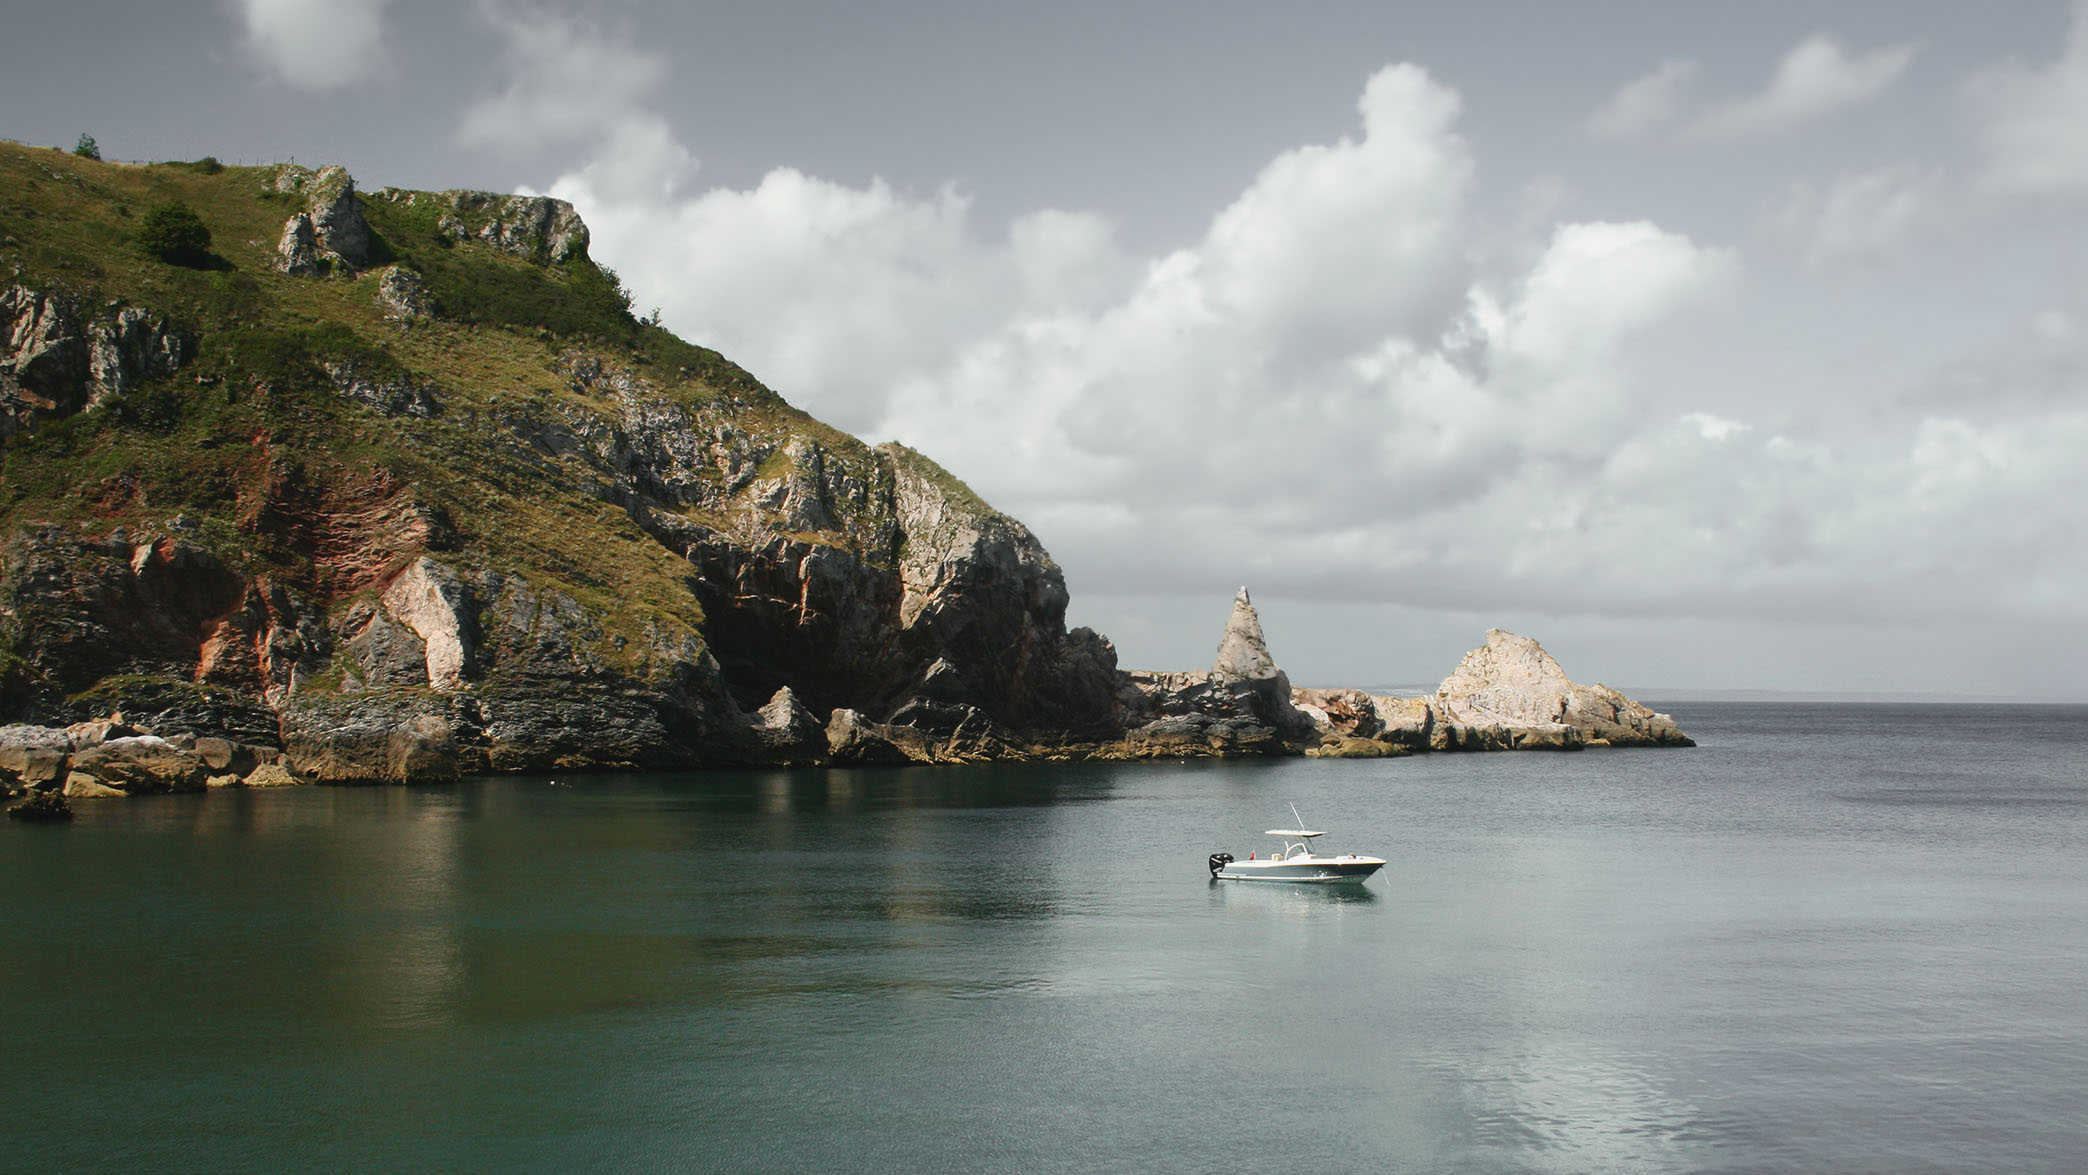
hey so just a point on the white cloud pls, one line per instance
(1325, 395)
(1815, 79)
(1713, 428)
(315, 44)
(2033, 123)
(1596, 284)
(836, 294)
(1652, 103)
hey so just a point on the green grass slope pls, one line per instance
(255, 447)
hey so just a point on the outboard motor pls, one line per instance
(1219, 861)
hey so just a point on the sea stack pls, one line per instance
(1243, 653)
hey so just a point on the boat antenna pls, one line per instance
(1296, 817)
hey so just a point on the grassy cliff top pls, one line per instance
(253, 444)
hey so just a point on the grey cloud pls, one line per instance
(315, 44)
(1815, 79)
(1649, 104)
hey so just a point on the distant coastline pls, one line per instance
(1663, 696)
(1850, 697)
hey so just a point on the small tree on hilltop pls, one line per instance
(174, 233)
(86, 148)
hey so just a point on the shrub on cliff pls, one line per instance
(86, 148)
(174, 233)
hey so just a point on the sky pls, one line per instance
(1716, 346)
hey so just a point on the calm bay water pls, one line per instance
(1840, 938)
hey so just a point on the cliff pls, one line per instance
(397, 486)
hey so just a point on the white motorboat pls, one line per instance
(1295, 861)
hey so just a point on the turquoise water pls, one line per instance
(1848, 938)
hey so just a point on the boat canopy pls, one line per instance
(1291, 832)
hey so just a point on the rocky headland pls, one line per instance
(396, 488)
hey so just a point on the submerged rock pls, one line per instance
(42, 807)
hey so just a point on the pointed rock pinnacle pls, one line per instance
(1243, 655)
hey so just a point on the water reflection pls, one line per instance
(1293, 901)
(1571, 1110)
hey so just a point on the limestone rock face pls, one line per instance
(141, 765)
(1243, 654)
(269, 775)
(391, 394)
(1511, 682)
(228, 757)
(1241, 705)
(388, 740)
(402, 294)
(297, 250)
(1344, 747)
(57, 358)
(383, 653)
(1355, 714)
(1190, 715)
(96, 731)
(34, 756)
(528, 226)
(330, 234)
(337, 216)
(125, 347)
(789, 731)
(853, 742)
(427, 599)
(81, 786)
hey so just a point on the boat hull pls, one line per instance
(1317, 870)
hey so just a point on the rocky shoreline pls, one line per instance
(1506, 695)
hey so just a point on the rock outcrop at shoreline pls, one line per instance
(1511, 684)
(110, 757)
(1241, 705)
(1506, 695)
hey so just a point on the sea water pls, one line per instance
(1831, 938)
